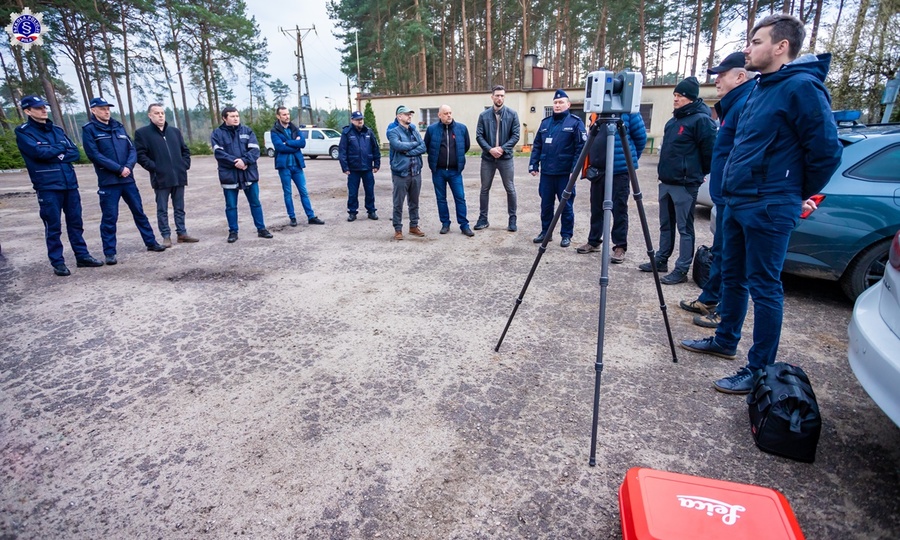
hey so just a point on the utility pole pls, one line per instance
(299, 34)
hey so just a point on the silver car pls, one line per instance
(874, 351)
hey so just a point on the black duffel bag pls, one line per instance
(784, 415)
(703, 260)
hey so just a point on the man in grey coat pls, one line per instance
(407, 148)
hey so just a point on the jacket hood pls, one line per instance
(736, 93)
(694, 107)
(815, 65)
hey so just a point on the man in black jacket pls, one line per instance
(162, 152)
(497, 134)
(684, 159)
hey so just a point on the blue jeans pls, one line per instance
(296, 174)
(754, 245)
(551, 189)
(231, 213)
(52, 203)
(109, 207)
(676, 211)
(441, 178)
(368, 182)
(712, 290)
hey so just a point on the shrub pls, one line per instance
(199, 148)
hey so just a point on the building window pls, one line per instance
(427, 117)
(647, 114)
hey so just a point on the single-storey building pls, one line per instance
(533, 105)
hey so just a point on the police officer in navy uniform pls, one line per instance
(556, 147)
(113, 154)
(48, 155)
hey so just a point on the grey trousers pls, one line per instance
(676, 211)
(406, 188)
(162, 210)
(488, 171)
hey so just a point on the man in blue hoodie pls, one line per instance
(48, 155)
(684, 159)
(733, 86)
(785, 150)
(113, 154)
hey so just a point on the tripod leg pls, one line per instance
(604, 276)
(639, 199)
(567, 194)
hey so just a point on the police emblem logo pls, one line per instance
(25, 28)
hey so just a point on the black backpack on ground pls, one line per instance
(784, 415)
(703, 260)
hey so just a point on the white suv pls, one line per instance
(319, 142)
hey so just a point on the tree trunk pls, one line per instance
(752, 6)
(712, 41)
(488, 40)
(12, 89)
(643, 45)
(854, 44)
(127, 68)
(814, 34)
(177, 48)
(465, 25)
(696, 55)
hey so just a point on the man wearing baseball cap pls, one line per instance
(407, 148)
(360, 159)
(113, 154)
(733, 87)
(48, 155)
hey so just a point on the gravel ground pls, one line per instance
(334, 383)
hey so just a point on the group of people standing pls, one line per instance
(774, 147)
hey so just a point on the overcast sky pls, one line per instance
(320, 49)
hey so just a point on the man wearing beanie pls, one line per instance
(684, 159)
(557, 145)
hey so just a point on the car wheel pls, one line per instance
(334, 152)
(270, 152)
(866, 269)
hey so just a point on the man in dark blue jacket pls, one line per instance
(162, 152)
(237, 150)
(48, 156)
(733, 86)
(447, 142)
(289, 144)
(785, 150)
(360, 159)
(684, 159)
(556, 147)
(113, 154)
(636, 134)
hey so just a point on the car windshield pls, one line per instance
(331, 134)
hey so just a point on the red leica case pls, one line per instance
(660, 505)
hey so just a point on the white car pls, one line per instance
(874, 351)
(319, 142)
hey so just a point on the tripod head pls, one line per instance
(609, 93)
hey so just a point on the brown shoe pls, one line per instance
(398, 235)
(416, 231)
(587, 248)
(187, 239)
(167, 241)
(618, 256)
